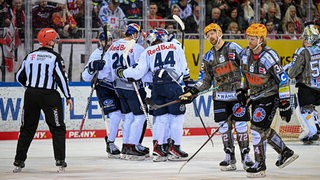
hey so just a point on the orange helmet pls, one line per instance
(46, 35)
(212, 26)
(257, 30)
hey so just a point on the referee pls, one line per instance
(40, 73)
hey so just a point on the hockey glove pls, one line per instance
(188, 96)
(285, 110)
(96, 65)
(242, 96)
(119, 71)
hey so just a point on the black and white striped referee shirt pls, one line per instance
(43, 69)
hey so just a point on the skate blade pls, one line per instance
(17, 169)
(289, 161)
(260, 174)
(135, 158)
(176, 158)
(61, 169)
(114, 156)
(232, 167)
(159, 159)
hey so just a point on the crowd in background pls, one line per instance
(285, 17)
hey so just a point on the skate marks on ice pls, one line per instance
(87, 159)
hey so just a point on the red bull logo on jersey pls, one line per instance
(160, 48)
(119, 47)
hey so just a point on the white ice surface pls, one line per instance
(87, 159)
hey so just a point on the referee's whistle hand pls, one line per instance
(69, 102)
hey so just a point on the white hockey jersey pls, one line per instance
(167, 55)
(104, 74)
(115, 59)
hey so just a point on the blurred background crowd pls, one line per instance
(283, 18)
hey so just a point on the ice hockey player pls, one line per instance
(168, 66)
(269, 89)
(108, 100)
(305, 69)
(133, 128)
(221, 66)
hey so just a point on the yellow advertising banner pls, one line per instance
(284, 48)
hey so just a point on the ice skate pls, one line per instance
(113, 151)
(124, 151)
(133, 154)
(176, 154)
(159, 154)
(313, 140)
(229, 163)
(61, 164)
(286, 158)
(144, 150)
(18, 165)
(258, 170)
(246, 161)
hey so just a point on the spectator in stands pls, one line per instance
(113, 15)
(217, 19)
(19, 17)
(163, 9)
(185, 9)
(292, 16)
(284, 6)
(42, 15)
(271, 30)
(154, 19)
(235, 4)
(248, 10)
(174, 11)
(271, 16)
(192, 22)
(194, 3)
(233, 31)
(223, 6)
(263, 16)
(272, 4)
(290, 32)
(132, 9)
(170, 28)
(303, 9)
(65, 24)
(5, 15)
(234, 17)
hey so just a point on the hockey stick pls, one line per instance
(125, 56)
(179, 21)
(94, 80)
(154, 106)
(203, 125)
(228, 119)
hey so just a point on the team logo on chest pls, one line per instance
(259, 114)
(238, 110)
(221, 58)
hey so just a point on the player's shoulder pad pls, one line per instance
(269, 57)
(208, 56)
(237, 47)
(299, 50)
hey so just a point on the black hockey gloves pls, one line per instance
(119, 73)
(96, 65)
(285, 110)
(188, 96)
(242, 96)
